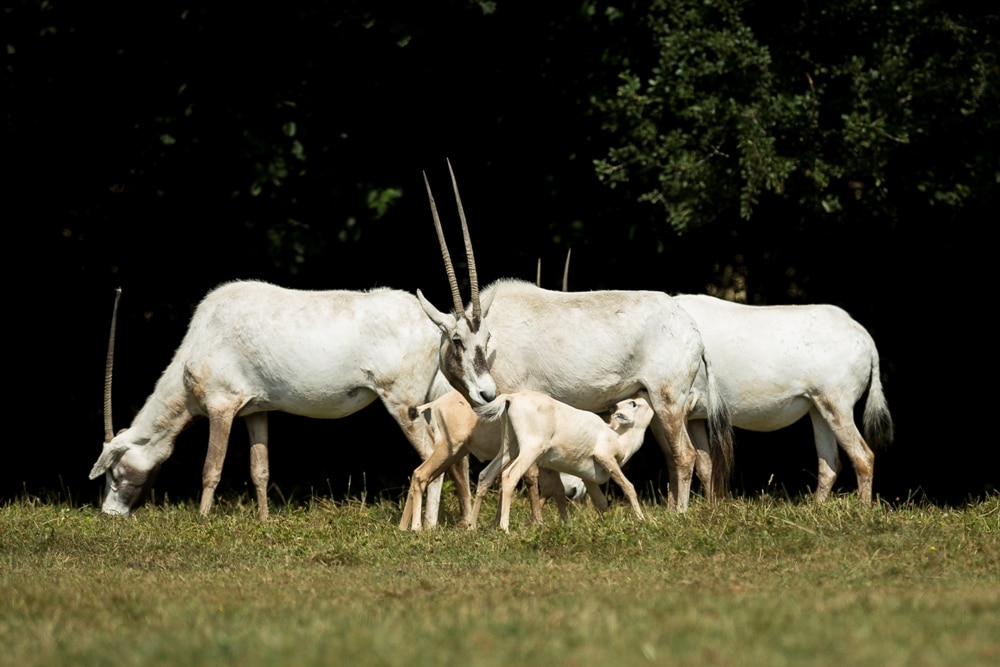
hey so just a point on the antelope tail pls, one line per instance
(720, 435)
(877, 420)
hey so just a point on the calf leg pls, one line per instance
(610, 464)
(550, 485)
(524, 459)
(427, 473)
(487, 476)
(459, 473)
(534, 497)
(597, 497)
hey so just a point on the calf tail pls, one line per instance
(720, 435)
(877, 420)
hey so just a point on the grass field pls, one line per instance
(747, 582)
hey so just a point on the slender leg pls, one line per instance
(426, 474)
(534, 497)
(597, 497)
(611, 465)
(487, 476)
(512, 474)
(671, 434)
(832, 423)
(703, 461)
(433, 501)
(550, 485)
(219, 424)
(260, 471)
(459, 472)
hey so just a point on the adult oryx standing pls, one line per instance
(252, 347)
(774, 364)
(586, 349)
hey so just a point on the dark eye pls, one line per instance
(457, 342)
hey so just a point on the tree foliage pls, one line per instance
(834, 108)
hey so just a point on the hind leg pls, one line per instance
(826, 452)
(459, 473)
(703, 461)
(671, 434)
(524, 461)
(260, 470)
(597, 497)
(427, 473)
(550, 485)
(836, 425)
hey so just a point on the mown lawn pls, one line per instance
(747, 582)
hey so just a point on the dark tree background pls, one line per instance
(769, 152)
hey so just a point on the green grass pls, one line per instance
(747, 582)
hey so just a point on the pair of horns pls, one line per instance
(538, 275)
(448, 267)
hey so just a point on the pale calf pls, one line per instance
(455, 430)
(538, 429)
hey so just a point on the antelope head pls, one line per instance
(464, 334)
(128, 473)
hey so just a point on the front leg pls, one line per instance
(610, 464)
(220, 422)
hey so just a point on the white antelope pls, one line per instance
(252, 347)
(456, 431)
(538, 430)
(586, 349)
(774, 364)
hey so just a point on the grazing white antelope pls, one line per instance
(586, 349)
(456, 431)
(774, 364)
(252, 347)
(538, 430)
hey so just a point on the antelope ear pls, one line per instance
(445, 322)
(108, 458)
(484, 304)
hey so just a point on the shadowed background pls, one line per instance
(165, 150)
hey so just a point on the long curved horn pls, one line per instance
(477, 311)
(109, 431)
(538, 274)
(449, 269)
(566, 271)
